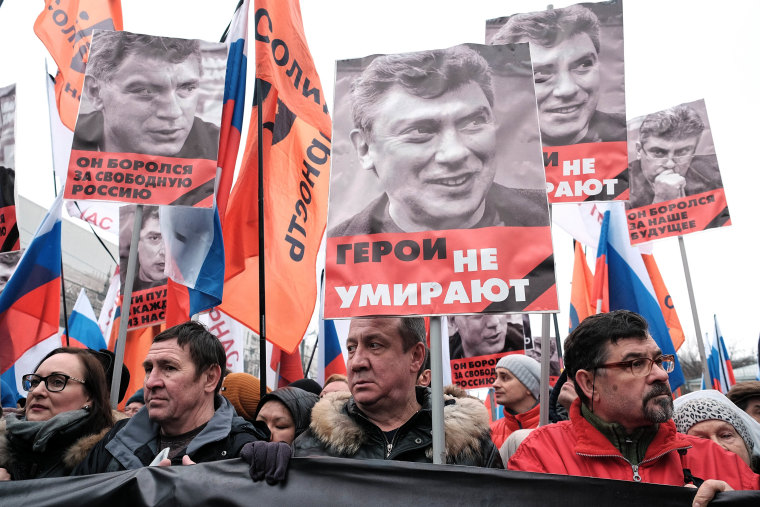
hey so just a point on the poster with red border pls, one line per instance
(676, 187)
(148, 125)
(579, 75)
(437, 202)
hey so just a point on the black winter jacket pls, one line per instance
(339, 429)
(133, 443)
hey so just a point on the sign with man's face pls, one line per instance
(148, 303)
(148, 125)
(437, 201)
(577, 55)
(9, 236)
(676, 186)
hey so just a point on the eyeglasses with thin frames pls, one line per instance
(642, 366)
(677, 159)
(55, 382)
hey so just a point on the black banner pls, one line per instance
(333, 482)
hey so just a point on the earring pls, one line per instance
(86, 407)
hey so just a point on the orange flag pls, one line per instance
(296, 160)
(580, 293)
(665, 301)
(65, 27)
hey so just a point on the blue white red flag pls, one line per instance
(630, 287)
(110, 310)
(233, 107)
(331, 359)
(83, 327)
(719, 363)
(30, 302)
(600, 297)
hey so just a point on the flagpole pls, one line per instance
(692, 301)
(55, 193)
(262, 274)
(557, 338)
(436, 383)
(546, 356)
(125, 304)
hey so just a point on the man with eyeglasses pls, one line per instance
(667, 166)
(621, 425)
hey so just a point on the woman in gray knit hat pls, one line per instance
(709, 414)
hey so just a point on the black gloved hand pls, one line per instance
(267, 460)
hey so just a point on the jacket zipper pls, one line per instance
(634, 468)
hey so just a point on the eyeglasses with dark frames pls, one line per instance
(642, 366)
(55, 382)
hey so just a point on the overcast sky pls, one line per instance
(676, 51)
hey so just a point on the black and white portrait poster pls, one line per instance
(676, 187)
(148, 125)
(148, 304)
(578, 70)
(437, 191)
(9, 235)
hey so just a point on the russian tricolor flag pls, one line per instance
(719, 364)
(234, 102)
(83, 327)
(30, 302)
(629, 286)
(331, 360)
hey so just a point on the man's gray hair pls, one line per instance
(425, 74)
(679, 122)
(549, 28)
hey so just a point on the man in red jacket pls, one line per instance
(621, 426)
(518, 378)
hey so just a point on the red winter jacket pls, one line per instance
(502, 428)
(575, 447)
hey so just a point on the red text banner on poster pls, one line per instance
(477, 372)
(587, 172)
(678, 216)
(140, 179)
(491, 270)
(148, 307)
(9, 237)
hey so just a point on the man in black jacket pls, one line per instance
(385, 416)
(183, 410)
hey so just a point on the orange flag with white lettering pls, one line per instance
(665, 301)
(65, 27)
(295, 147)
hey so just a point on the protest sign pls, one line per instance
(676, 187)
(148, 305)
(577, 55)
(444, 146)
(148, 126)
(9, 236)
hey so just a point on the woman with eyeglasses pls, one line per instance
(67, 412)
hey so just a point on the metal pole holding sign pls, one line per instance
(546, 357)
(125, 303)
(693, 302)
(436, 383)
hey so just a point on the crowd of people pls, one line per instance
(613, 414)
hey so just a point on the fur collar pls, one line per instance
(465, 424)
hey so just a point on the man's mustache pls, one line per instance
(657, 390)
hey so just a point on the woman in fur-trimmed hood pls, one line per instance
(66, 414)
(338, 428)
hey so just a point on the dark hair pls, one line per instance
(549, 28)
(426, 74)
(149, 212)
(679, 122)
(205, 349)
(110, 48)
(94, 383)
(412, 331)
(586, 345)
